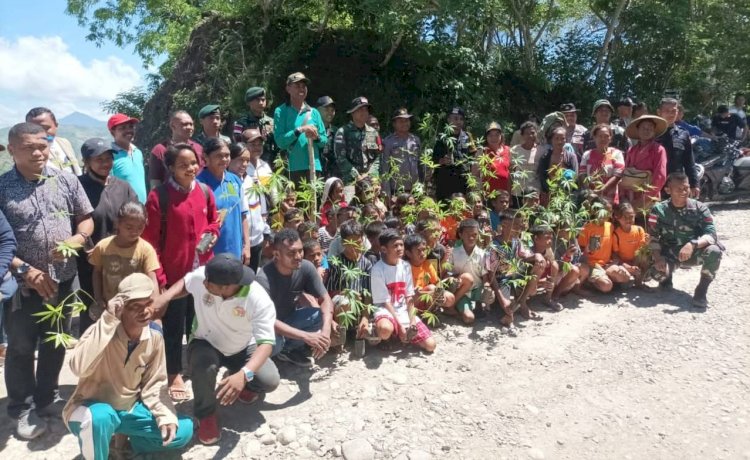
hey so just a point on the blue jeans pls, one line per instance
(306, 319)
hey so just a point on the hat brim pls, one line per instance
(248, 276)
(570, 111)
(140, 294)
(297, 80)
(354, 109)
(100, 153)
(660, 126)
(129, 120)
(405, 116)
(609, 106)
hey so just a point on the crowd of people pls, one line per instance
(221, 240)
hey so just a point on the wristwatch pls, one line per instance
(22, 269)
(249, 375)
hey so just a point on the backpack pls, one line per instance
(163, 193)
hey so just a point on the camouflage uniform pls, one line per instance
(357, 151)
(672, 228)
(327, 156)
(265, 125)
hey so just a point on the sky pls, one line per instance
(47, 61)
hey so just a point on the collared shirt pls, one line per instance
(676, 142)
(473, 264)
(338, 280)
(232, 206)
(230, 325)
(575, 136)
(42, 214)
(130, 167)
(404, 152)
(286, 119)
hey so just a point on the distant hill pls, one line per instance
(76, 127)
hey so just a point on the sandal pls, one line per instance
(527, 314)
(553, 305)
(178, 392)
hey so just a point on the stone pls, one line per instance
(533, 409)
(262, 431)
(569, 386)
(399, 379)
(357, 449)
(419, 455)
(287, 435)
(536, 454)
(250, 448)
(268, 439)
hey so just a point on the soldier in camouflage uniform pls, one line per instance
(327, 109)
(682, 232)
(357, 146)
(256, 118)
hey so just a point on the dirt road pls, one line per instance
(630, 375)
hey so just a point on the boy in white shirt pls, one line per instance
(233, 327)
(393, 295)
(468, 258)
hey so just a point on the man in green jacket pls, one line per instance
(296, 124)
(357, 145)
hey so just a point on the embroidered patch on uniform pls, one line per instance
(238, 312)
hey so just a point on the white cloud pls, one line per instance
(44, 71)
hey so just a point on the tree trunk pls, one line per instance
(602, 61)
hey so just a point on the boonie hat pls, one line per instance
(297, 76)
(209, 109)
(568, 107)
(358, 102)
(225, 269)
(493, 126)
(601, 103)
(120, 119)
(134, 287)
(94, 147)
(401, 113)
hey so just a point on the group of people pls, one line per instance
(216, 242)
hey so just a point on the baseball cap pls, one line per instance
(254, 93)
(94, 147)
(568, 107)
(135, 286)
(457, 111)
(297, 76)
(251, 134)
(208, 110)
(358, 102)
(325, 101)
(401, 113)
(225, 269)
(120, 119)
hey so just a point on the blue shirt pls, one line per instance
(692, 130)
(231, 203)
(130, 168)
(495, 220)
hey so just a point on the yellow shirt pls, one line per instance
(424, 275)
(597, 241)
(116, 263)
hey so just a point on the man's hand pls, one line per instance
(695, 192)
(116, 305)
(168, 432)
(686, 252)
(158, 307)
(230, 388)
(319, 342)
(41, 282)
(309, 130)
(246, 255)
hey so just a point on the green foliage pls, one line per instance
(55, 315)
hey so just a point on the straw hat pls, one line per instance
(660, 126)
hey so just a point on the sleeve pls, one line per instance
(95, 258)
(150, 259)
(156, 164)
(212, 214)
(284, 135)
(322, 134)
(152, 232)
(655, 227)
(583, 238)
(89, 351)
(380, 293)
(244, 204)
(432, 272)
(313, 284)
(81, 206)
(573, 161)
(707, 227)
(366, 284)
(154, 386)
(385, 167)
(409, 279)
(660, 170)
(264, 317)
(618, 163)
(688, 160)
(8, 245)
(584, 162)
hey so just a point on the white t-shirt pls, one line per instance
(255, 206)
(394, 284)
(469, 263)
(230, 325)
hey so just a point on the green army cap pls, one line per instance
(602, 103)
(358, 102)
(401, 113)
(254, 93)
(493, 126)
(208, 110)
(297, 76)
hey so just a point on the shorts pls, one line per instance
(423, 333)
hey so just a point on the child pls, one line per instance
(292, 218)
(596, 243)
(393, 296)
(327, 232)
(370, 213)
(628, 240)
(313, 253)
(333, 195)
(485, 228)
(372, 232)
(568, 255)
(468, 261)
(437, 254)
(425, 276)
(460, 208)
(289, 201)
(508, 262)
(542, 246)
(376, 198)
(499, 204)
(308, 230)
(118, 256)
(349, 276)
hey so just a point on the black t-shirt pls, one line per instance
(106, 201)
(727, 126)
(286, 290)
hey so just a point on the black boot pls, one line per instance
(666, 283)
(699, 297)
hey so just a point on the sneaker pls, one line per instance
(54, 409)
(298, 357)
(30, 425)
(208, 430)
(248, 397)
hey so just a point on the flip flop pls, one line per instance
(554, 305)
(174, 391)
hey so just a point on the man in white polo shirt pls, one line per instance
(234, 328)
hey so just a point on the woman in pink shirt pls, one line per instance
(647, 155)
(601, 167)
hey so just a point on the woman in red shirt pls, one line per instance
(183, 236)
(496, 161)
(601, 168)
(646, 155)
